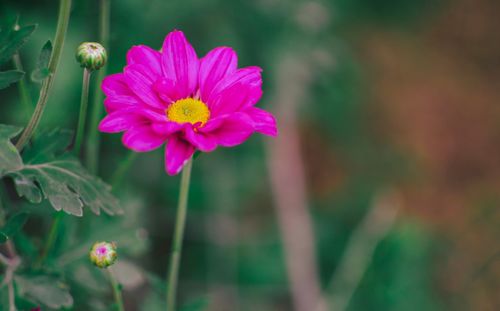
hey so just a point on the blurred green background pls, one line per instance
(390, 99)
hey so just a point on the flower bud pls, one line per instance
(91, 55)
(103, 254)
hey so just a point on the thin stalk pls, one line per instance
(62, 27)
(180, 222)
(54, 228)
(122, 169)
(117, 293)
(11, 266)
(93, 139)
(9, 245)
(83, 110)
(23, 86)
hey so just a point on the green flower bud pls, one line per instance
(103, 254)
(91, 55)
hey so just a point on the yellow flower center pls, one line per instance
(188, 110)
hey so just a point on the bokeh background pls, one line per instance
(380, 193)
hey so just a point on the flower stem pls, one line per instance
(93, 135)
(62, 27)
(117, 293)
(54, 228)
(180, 222)
(83, 110)
(23, 86)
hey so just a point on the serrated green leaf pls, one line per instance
(42, 71)
(13, 41)
(50, 174)
(15, 224)
(9, 77)
(68, 186)
(44, 290)
(27, 188)
(9, 156)
(47, 146)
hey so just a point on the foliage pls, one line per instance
(11, 40)
(48, 171)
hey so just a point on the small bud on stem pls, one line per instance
(91, 55)
(103, 254)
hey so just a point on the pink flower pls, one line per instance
(171, 96)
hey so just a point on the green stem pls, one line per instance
(180, 222)
(9, 245)
(92, 150)
(117, 293)
(83, 111)
(23, 86)
(117, 177)
(62, 27)
(54, 228)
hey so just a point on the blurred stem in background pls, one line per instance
(180, 223)
(23, 86)
(360, 249)
(49, 243)
(125, 164)
(93, 138)
(11, 265)
(288, 185)
(62, 27)
(80, 130)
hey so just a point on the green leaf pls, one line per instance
(48, 146)
(9, 156)
(15, 224)
(67, 185)
(38, 75)
(13, 40)
(44, 290)
(42, 66)
(47, 172)
(9, 77)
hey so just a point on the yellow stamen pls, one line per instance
(188, 110)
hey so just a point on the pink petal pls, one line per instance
(167, 90)
(237, 91)
(146, 56)
(180, 63)
(177, 153)
(142, 138)
(213, 123)
(119, 122)
(263, 121)
(114, 103)
(250, 76)
(202, 141)
(235, 98)
(140, 81)
(234, 130)
(166, 128)
(115, 85)
(216, 65)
